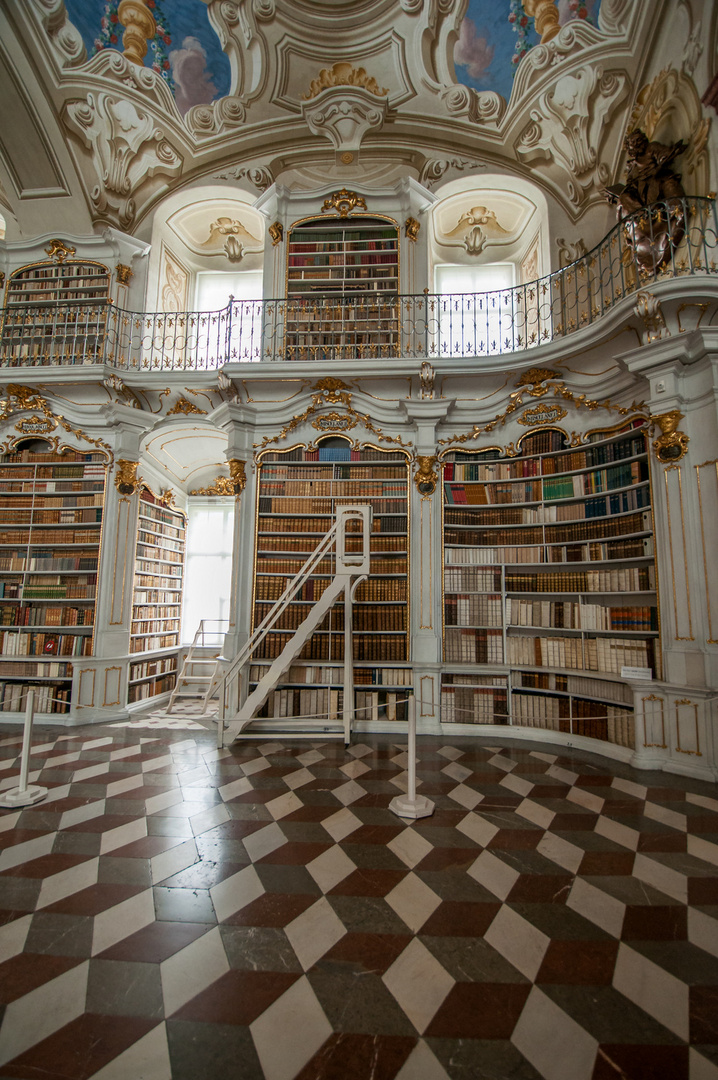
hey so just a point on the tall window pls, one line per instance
(475, 308)
(244, 326)
(208, 567)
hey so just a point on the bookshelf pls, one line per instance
(342, 286)
(549, 578)
(55, 312)
(51, 509)
(298, 494)
(157, 598)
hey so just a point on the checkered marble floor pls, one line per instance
(177, 911)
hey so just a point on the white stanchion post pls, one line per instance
(22, 795)
(412, 805)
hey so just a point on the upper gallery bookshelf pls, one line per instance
(549, 579)
(55, 312)
(342, 285)
(51, 507)
(299, 492)
(157, 598)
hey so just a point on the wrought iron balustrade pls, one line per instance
(371, 324)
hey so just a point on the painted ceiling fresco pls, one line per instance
(495, 35)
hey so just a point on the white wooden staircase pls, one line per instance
(352, 523)
(201, 671)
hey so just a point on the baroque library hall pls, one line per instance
(358, 386)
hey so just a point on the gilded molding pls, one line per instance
(542, 414)
(28, 399)
(343, 74)
(411, 229)
(671, 444)
(344, 202)
(221, 485)
(237, 475)
(534, 378)
(127, 481)
(59, 251)
(123, 274)
(425, 477)
(426, 381)
(276, 231)
(185, 408)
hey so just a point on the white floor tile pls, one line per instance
(264, 841)
(494, 874)
(672, 818)
(290, 1032)
(27, 850)
(331, 867)
(159, 802)
(354, 768)
(518, 941)
(349, 792)
(699, 1068)
(419, 983)
(585, 798)
(147, 1059)
(236, 892)
(413, 901)
(12, 937)
(123, 834)
(620, 834)
(209, 818)
(457, 772)
(477, 828)
(192, 970)
(43, 1011)
(118, 922)
(341, 824)
(564, 775)
(79, 814)
(703, 931)
(410, 846)
(560, 851)
(536, 813)
(637, 791)
(119, 787)
(67, 882)
(314, 932)
(235, 788)
(422, 1065)
(661, 877)
(703, 849)
(466, 796)
(552, 1041)
(283, 805)
(517, 784)
(170, 862)
(597, 906)
(656, 991)
(249, 768)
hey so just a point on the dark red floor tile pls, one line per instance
(358, 1057)
(260, 795)
(541, 889)
(608, 863)
(479, 1011)
(516, 839)
(702, 823)
(46, 865)
(460, 919)
(272, 909)
(448, 858)
(238, 997)
(296, 854)
(588, 963)
(703, 891)
(629, 1062)
(145, 848)
(27, 971)
(93, 900)
(20, 836)
(669, 841)
(370, 952)
(154, 943)
(647, 922)
(311, 813)
(573, 823)
(703, 1012)
(101, 824)
(375, 834)
(79, 1049)
(368, 882)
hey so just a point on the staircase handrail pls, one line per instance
(261, 631)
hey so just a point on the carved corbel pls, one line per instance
(648, 309)
(237, 475)
(126, 146)
(344, 114)
(568, 125)
(671, 444)
(127, 481)
(425, 477)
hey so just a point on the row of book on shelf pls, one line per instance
(564, 461)
(469, 705)
(42, 644)
(47, 698)
(41, 615)
(334, 675)
(53, 563)
(567, 614)
(161, 665)
(81, 587)
(162, 685)
(87, 515)
(623, 579)
(51, 536)
(591, 654)
(604, 506)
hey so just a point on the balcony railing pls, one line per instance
(374, 324)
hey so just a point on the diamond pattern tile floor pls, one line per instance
(172, 910)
